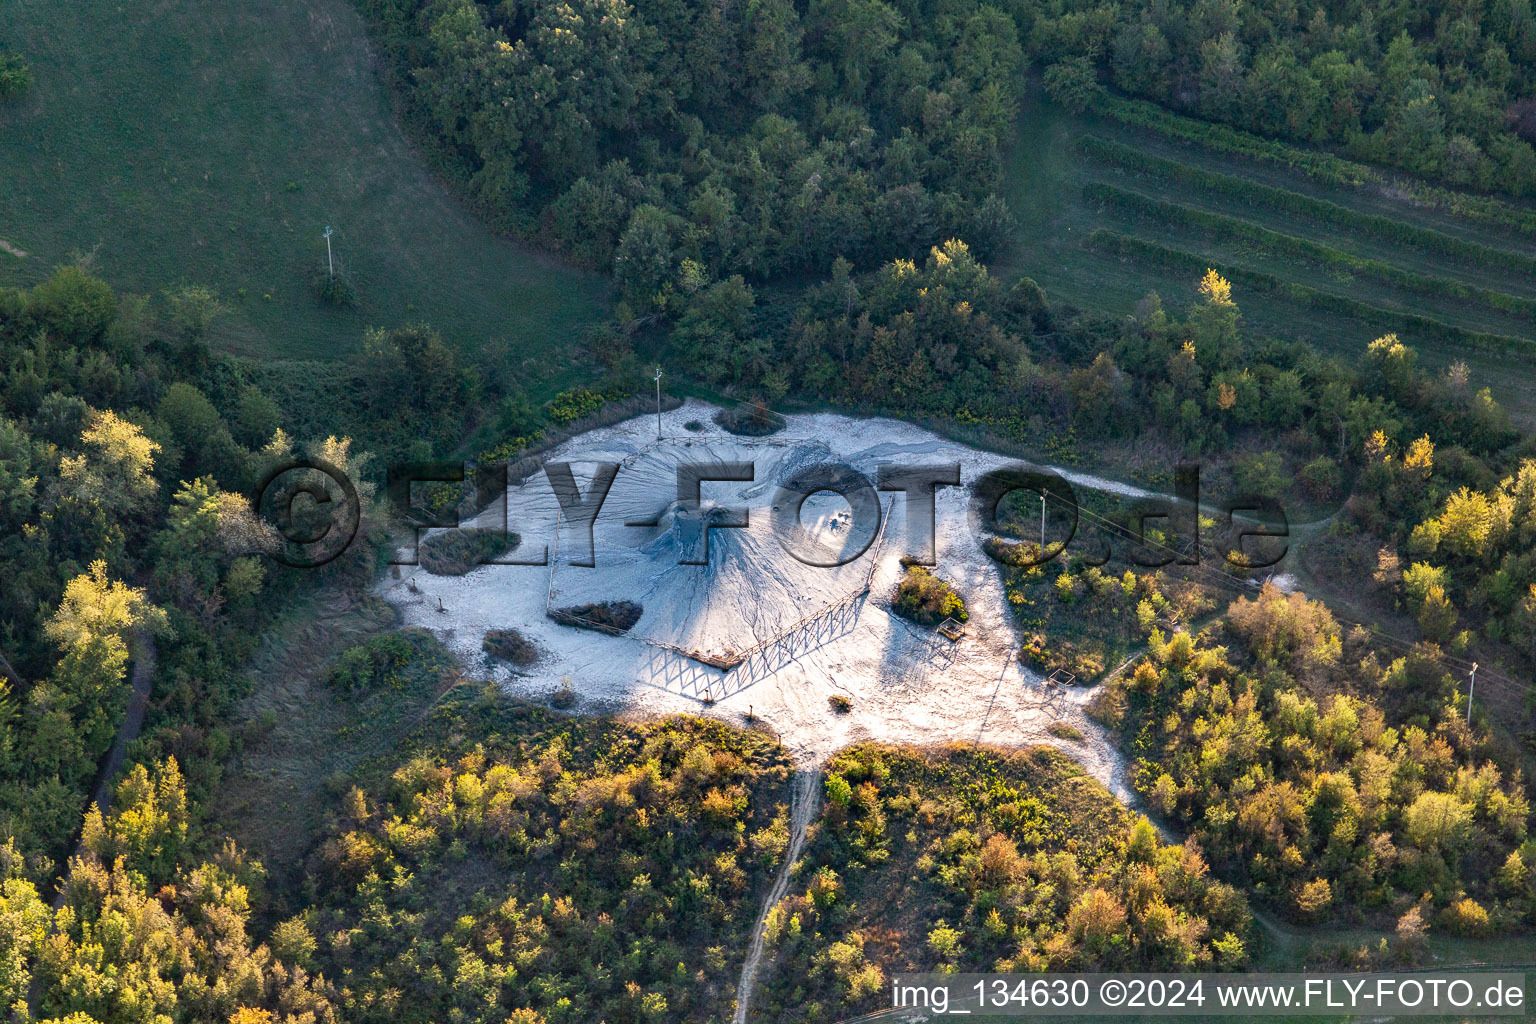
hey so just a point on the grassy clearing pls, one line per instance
(213, 143)
(1281, 293)
(303, 740)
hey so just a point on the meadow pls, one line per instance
(1112, 205)
(179, 143)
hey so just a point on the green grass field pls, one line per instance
(189, 143)
(1371, 261)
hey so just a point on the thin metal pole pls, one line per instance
(1042, 523)
(329, 262)
(658, 401)
(1471, 688)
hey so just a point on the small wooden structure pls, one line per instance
(1061, 678)
(724, 662)
(951, 630)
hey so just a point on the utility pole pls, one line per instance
(329, 262)
(658, 402)
(1471, 686)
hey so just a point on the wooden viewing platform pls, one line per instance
(951, 629)
(1061, 679)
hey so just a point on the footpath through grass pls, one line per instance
(194, 143)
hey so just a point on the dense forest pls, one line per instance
(127, 541)
(127, 449)
(772, 138)
(702, 153)
(684, 143)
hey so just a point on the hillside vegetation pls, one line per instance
(127, 541)
(975, 859)
(511, 861)
(1326, 779)
(810, 201)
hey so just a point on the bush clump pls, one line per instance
(927, 600)
(15, 76)
(754, 419)
(380, 662)
(576, 403)
(604, 616)
(1063, 731)
(840, 704)
(511, 645)
(335, 290)
(456, 552)
(1014, 860)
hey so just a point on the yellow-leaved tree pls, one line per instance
(116, 465)
(91, 627)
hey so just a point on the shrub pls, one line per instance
(840, 704)
(371, 665)
(15, 76)
(574, 404)
(1465, 917)
(1313, 899)
(456, 552)
(510, 645)
(1073, 83)
(293, 943)
(1063, 731)
(1411, 929)
(754, 419)
(1260, 474)
(927, 600)
(603, 616)
(1321, 478)
(335, 290)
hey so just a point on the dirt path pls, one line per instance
(804, 802)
